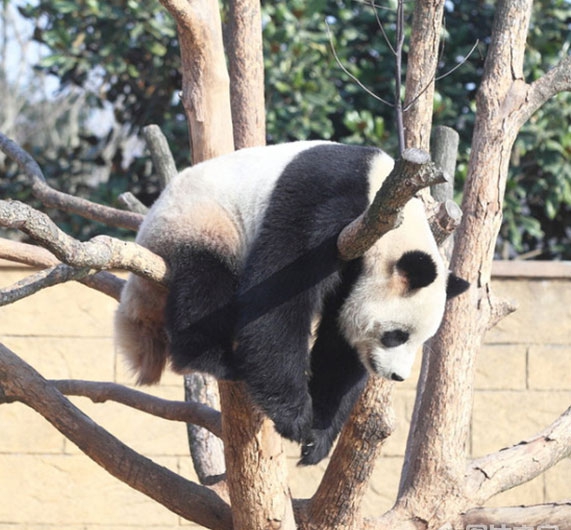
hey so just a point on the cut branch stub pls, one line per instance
(412, 172)
(445, 220)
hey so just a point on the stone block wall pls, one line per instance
(523, 383)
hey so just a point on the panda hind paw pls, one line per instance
(314, 448)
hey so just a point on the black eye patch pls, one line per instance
(392, 339)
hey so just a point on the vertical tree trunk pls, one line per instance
(420, 73)
(246, 63)
(436, 451)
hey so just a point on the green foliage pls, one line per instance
(125, 54)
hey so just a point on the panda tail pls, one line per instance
(139, 329)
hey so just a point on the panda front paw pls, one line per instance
(296, 423)
(315, 448)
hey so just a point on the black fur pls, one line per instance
(455, 286)
(337, 375)
(291, 270)
(199, 314)
(418, 267)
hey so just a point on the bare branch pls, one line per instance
(63, 201)
(163, 161)
(128, 201)
(185, 411)
(35, 256)
(346, 479)
(412, 172)
(355, 79)
(20, 382)
(497, 472)
(552, 515)
(245, 62)
(101, 252)
(26, 254)
(205, 81)
(557, 80)
(41, 280)
(445, 220)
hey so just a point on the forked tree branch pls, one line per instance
(102, 281)
(63, 201)
(101, 252)
(20, 382)
(497, 472)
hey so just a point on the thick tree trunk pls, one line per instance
(420, 73)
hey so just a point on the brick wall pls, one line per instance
(523, 382)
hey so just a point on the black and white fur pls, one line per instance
(250, 239)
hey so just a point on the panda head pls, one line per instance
(398, 301)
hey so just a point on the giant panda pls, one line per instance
(257, 291)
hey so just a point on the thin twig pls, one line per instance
(438, 78)
(368, 91)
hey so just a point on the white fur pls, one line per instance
(231, 191)
(379, 302)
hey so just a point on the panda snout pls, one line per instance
(396, 377)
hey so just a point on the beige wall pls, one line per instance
(523, 382)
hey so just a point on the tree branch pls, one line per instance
(20, 382)
(185, 411)
(420, 72)
(41, 280)
(337, 502)
(205, 82)
(62, 201)
(101, 252)
(556, 515)
(557, 80)
(246, 65)
(412, 172)
(35, 256)
(163, 161)
(497, 472)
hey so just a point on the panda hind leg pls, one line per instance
(199, 311)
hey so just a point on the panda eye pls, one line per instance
(392, 339)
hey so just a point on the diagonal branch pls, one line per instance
(101, 252)
(347, 476)
(497, 472)
(557, 80)
(185, 411)
(412, 172)
(20, 382)
(62, 201)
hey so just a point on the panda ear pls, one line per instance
(417, 268)
(455, 286)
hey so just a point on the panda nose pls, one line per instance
(396, 377)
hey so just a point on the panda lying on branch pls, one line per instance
(251, 242)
